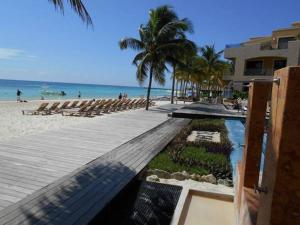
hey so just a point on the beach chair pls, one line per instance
(124, 105)
(74, 104)
(98, 101)
(131, 103)
(91, 110)
(41, 109)
(116, 107)
(63, 106)
(74, 112)
(53, 107)
(82, 103)
(90, 102)
(138, 104)
(102, 106)
(107, 107)
(143, 103)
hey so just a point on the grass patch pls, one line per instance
(202, 156)
(164, 162)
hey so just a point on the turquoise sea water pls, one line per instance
(49, 90)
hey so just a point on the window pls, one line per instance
(278, 64)
(254, 67)
(283, 42)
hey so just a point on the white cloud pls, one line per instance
(10, 54)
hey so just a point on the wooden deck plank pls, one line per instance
(141, 160)
(35, 164)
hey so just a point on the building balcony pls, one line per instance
(258, 72)
(259, 50)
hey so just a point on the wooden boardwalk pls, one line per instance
(206, 110)
(39, 172)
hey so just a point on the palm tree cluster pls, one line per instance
(163, 44)
(203, 69)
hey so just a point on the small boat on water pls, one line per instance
(53, 93)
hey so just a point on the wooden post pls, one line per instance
(248, 168)
(259, 93)
(281, 175)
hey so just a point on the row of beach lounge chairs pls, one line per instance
(87, 108)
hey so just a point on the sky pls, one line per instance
(37, 42)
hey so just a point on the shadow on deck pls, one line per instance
(78, 197)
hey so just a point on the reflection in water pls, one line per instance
(236, 134)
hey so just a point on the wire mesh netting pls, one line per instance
(141, 203)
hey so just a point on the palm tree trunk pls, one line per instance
(176, 88)
(193, 96)
(149, 88)
(182, 88)
(185, 88)
(173, 84)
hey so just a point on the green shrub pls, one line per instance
(214, 125)
(239, 94)
(217, 164)
(200, 157)
(164, 162)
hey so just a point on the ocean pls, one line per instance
(36, 90)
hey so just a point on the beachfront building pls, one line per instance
(259, 57)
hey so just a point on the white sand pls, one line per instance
(14, 124)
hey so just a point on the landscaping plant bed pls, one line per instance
(196, 160)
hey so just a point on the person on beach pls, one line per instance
(120, 96)
(19, 95)
(79, 94)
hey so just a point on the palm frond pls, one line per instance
(142, 69)
(139, 57)
(77, 6)
(159, 69)
(131, 43)
(171, 29)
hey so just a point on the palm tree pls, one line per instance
(190, 72)
(188, 48)
(160, 41)
(213, 66)
(212, 60)
(77, 6)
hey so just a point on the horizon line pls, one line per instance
(63, 82)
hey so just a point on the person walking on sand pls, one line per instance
(19, 95)
(120, 96)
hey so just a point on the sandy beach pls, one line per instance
(14, 124)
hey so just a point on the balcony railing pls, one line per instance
(234, 45)
(258, 72)
(266, 46)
